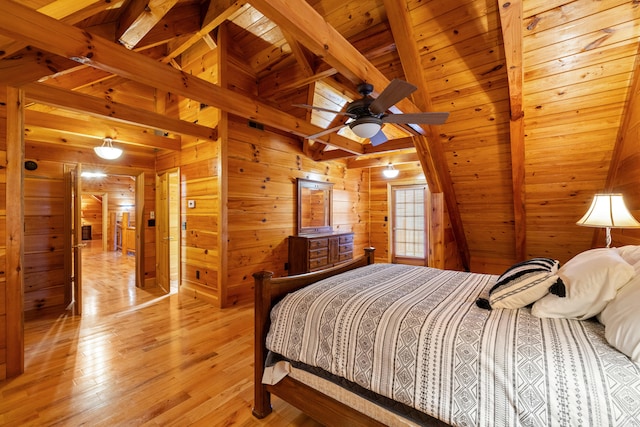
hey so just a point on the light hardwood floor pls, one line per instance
(137, 357)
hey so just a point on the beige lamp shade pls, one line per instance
(608, 211)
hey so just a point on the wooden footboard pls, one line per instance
(268, 291)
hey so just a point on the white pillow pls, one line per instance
(621, 318)
(592, 279)
(631, 254)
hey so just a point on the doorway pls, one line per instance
(109, 222)
(409, 224)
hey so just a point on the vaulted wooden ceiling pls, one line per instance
(537, 91)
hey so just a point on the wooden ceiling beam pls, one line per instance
(138, 18)
(181, 20)
(102, 128)
(291, 78)
(216, 14)
(299, 53)
(97, 107)
(390, 145)
(511, 23)
(71, 42)
(68, 12)
(305, 24)
(31, 65)
(428, 145)
(380, 161)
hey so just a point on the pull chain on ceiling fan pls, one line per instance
(368, 114)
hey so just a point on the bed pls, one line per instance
(386, 344)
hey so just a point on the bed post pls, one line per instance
(369, 255)
(261, 397)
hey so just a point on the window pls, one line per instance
(409, 223)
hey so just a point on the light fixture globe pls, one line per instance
(390, 171)
(107, 151)
(366, 127)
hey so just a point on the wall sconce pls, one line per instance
(107, 151)
(390, 171)
(608, 211)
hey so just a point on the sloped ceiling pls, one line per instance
(537, 91)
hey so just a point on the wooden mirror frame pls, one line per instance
(327, 206)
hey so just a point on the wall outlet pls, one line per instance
(191, 204)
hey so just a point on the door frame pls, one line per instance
(73, 236)
(163, 222)
(392, 252)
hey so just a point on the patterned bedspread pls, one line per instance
(414, 334)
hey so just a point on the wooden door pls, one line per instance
(73, 240)
(162, 232)
(409, 237)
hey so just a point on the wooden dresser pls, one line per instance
(311, 252)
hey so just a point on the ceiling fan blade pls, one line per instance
(312, 107)
(417, 118)
(397, 90)
(378, 138)
(325, 132)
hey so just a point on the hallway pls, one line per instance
(137, 357)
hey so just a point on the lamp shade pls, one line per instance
(366, 127)
(608, 210)
(107, 151)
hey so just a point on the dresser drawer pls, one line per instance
(345, 256)
(346, 239)
(318, 243)
(316, 263)
(346, 248)
(319, 253)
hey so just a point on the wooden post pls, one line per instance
(15, 232)
(261, 397)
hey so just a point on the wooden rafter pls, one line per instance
(101, 128)
(74, 101)
(380, 161)
(139, 17)
(511, 22)
(68, 12)
(217, 13)
(71, 42)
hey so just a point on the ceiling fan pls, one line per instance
(368, 114)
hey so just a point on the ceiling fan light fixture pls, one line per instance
(107, 151)
(366, 127)
(390, 171)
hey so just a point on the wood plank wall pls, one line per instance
(263, 167)
(44, 276)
